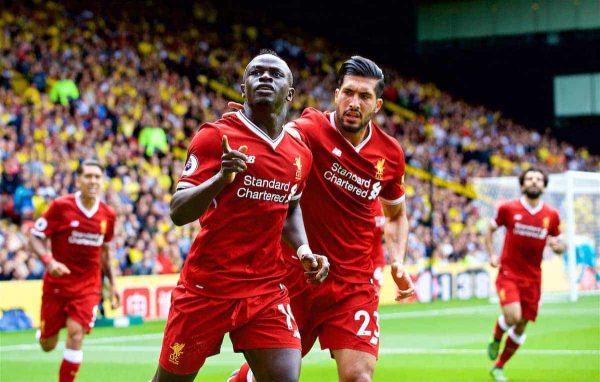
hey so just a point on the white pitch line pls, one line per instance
(384, 350)
(484, 352)
(479, 310)
(87, 341)
(384, 316)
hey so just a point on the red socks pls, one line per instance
(512, 344)
(68, 371)
(500, 328)
(243, 375)
(70, 365)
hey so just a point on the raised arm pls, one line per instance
(188, 204)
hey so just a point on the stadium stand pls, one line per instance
(132, 91)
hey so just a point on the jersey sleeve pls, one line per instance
(307, 126)
(47, 224)
(501, 216)
(393, 191)
(308, 159)
(110, 230)
(295, 131)
(555, 226)
(203, 159)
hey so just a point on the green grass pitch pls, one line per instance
(442, 341)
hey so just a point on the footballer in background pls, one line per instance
(79, 228)
(530, 225)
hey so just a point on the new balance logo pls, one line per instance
(337, 152)
(251, 158)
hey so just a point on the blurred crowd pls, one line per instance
(132, 90)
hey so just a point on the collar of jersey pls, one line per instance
(531, 210)
(361, 144)
(92, 211)
(257, 130)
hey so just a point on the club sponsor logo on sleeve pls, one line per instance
(190, 166)
(41, 224)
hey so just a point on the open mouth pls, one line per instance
(265, 88)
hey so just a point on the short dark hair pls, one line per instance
(267, 51)
(274, 53)
(363, 67)
(89, 162)
(533, 169)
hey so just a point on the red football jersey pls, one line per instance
(238, 253)
(526, 232)
(344, 183)
(76, 235)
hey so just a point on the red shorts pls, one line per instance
(527, 292)
(197, 324)
(341, 315)
(56, 309)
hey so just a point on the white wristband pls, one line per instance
(303, 250)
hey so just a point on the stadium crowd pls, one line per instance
(132, 91)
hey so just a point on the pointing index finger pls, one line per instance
(225, 145)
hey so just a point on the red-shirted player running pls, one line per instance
(79, 227)
(354, 163)
(530, 224)
(232, 279)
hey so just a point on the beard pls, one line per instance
(352, 129)
(532, 193)
(364, 121)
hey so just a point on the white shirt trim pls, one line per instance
(92, 211)
(257, 130)
(361, 144)
(291, 130)
(530, 209)
(183, 185)
(392, 202)
(37, 233)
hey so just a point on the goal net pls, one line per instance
(576, 195)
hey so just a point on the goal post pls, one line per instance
(576, 195)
